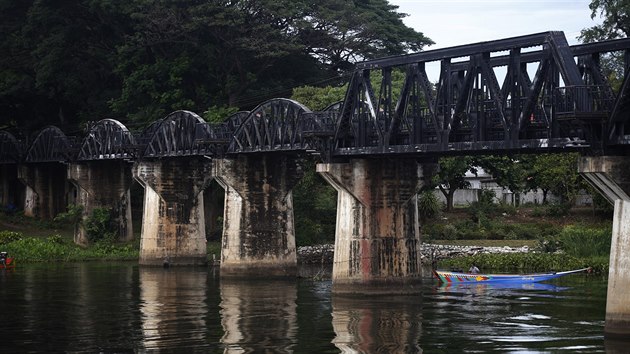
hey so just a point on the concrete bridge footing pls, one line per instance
(173, 225)
(103, 184)
(377, 237)
(610, 176)
(258, 225)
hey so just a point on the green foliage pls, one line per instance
(99, 226)
(72, 216)
(216, 114)
(318, 98)
(488, 229)
(52, 249)
(580, 241)
(552, 210)
(9, 236)
(526, 262)
(429, 206)
(315, 210)
(143, 59)
(451, 176)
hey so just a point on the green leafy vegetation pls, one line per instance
(57, 249)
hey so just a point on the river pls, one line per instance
(121, 308)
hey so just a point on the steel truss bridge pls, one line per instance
(553, 97)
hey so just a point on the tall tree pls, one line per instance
(65, 62)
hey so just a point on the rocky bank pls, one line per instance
(323, 254)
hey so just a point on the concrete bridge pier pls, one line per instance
(46, 189)
(610, 176)
(11, 189)
(258, 226)
(377, 240)
(173, 226)
(103, 184)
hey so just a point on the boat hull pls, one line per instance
(10, 263)
(457, 277)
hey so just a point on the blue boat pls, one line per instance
(459, 277)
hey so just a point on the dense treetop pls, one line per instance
(66, 62)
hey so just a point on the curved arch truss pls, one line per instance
(274, 125)
(184, 133)
(108, 139)
(10, 148)
(50, 145)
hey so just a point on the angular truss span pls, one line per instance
(108, 139)
(528, 94)
(50, 145)
(181, 133)
(275, 125)
(565, 104)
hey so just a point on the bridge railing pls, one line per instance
(583, 102)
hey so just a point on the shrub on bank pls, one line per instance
(526, 262)
(55, 249)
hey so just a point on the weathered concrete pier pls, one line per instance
(377, 239)
(258, 224)
(610, 175)
(173, 225)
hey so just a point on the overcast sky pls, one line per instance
(455, 22)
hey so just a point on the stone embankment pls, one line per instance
(323, 254)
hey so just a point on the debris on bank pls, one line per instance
(323, 254)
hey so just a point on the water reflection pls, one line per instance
(377, 324)
(258, 315)
(480, 288)
(173, 307)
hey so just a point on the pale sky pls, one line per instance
(454, 22)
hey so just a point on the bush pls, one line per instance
(9, 236)
(99, 225)
(526, 262)
(429, 206)
(585, 242)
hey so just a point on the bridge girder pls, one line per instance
(108, 139)
(50, 145)
(275, 125)
(565, 104)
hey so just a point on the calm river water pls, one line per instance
(121, 308)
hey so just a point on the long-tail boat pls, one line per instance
(459, 277)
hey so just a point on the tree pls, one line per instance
(451, 176)
(615, 24)
(616, 21)
(67, 62)
(555, 173)
(508, 171)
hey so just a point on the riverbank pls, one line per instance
(429, 252)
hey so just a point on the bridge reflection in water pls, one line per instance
(172, 302)
(377, 324)
(259, 315)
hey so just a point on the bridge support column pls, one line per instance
(11, 189)
(173, 227)
(46, 188)
(377, 241)
(258, 226)
(609, 175)
(103, 184)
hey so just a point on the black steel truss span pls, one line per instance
(275, 125)
(51, 145)
(184, 133)
(566, 104)
(530, 93)
(108, 139)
